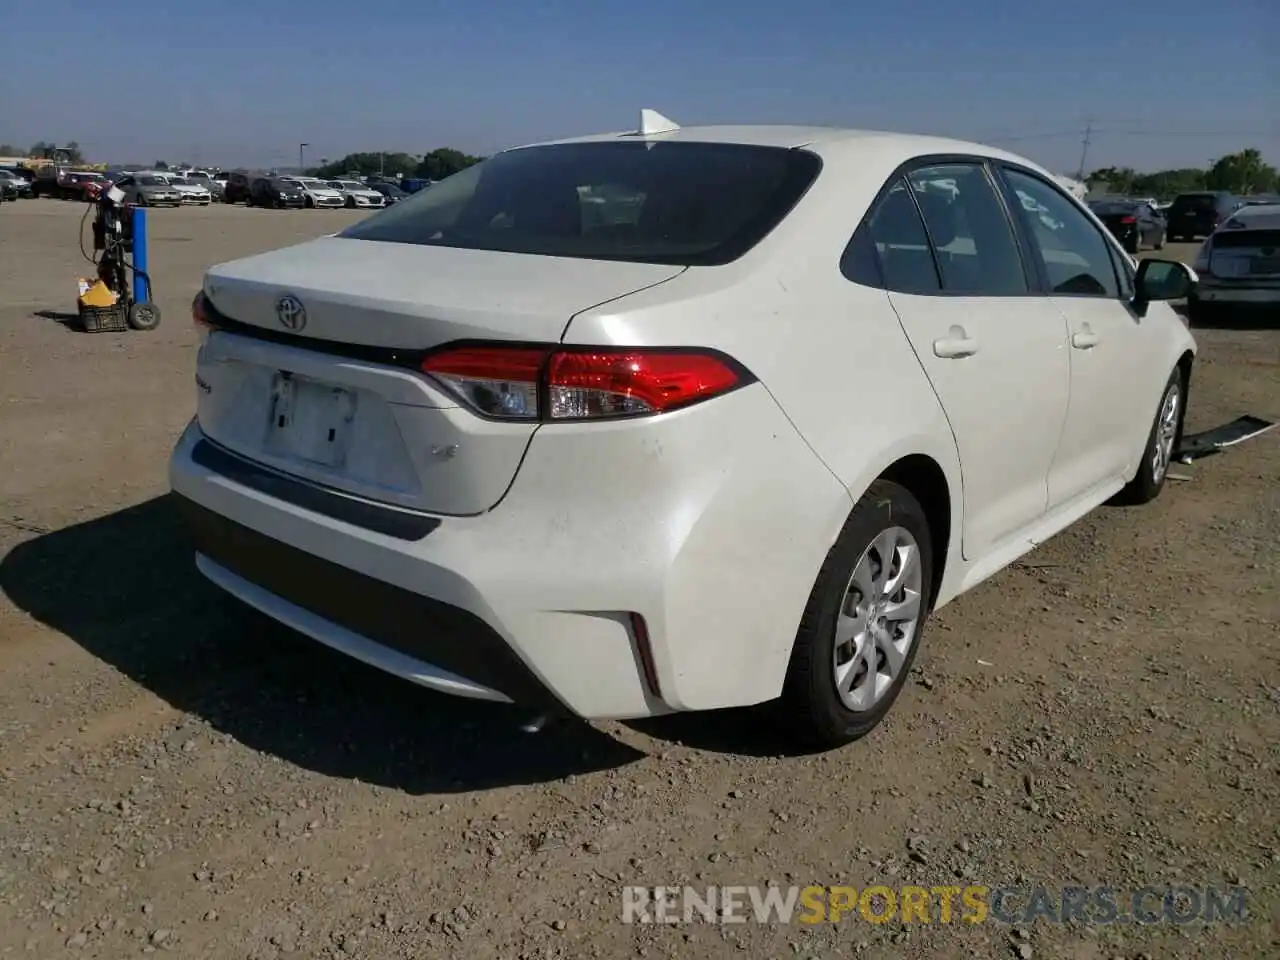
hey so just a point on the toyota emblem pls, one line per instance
(291, 313)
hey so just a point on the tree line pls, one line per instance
(45, 149)
(436, 165)
(1244, 172)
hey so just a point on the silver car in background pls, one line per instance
(149, 190)
(1239, 266)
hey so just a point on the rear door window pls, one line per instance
(902, 246)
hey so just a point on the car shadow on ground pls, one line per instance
(125, 588)
(758, 731)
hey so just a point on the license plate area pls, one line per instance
(309, 420)
(1265, 265)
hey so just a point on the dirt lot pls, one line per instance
(178, 775)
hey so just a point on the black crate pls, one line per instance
(113, 319)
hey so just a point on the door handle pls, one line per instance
(957, 343)
(1085, 340)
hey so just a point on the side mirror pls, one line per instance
(1163, 280)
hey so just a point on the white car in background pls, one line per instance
(318, 193)
(1239, 264)
(201, 178)
(729, 443)
(358, 194)
(193, 192)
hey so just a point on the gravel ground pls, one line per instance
(179, 775)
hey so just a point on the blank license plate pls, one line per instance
(310, 420)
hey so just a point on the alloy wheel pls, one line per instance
(1166, 433)
(878, 620)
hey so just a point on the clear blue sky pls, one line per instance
(244, 81)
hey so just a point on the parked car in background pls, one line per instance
(64, 183)
(15, 183)
(8, 189)
(357, 194)
(414, 184)
(276, 192)
(149, 190)
(390, 192)
(317, 193)
(193, 193)
(1133, 222)
(202, 178)
(239, 186)
(1198, 214)
(1239, 264)
(644, 376)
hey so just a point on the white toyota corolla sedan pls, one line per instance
(675, 419)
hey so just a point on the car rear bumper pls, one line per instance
(707, 525)
(1258, 293)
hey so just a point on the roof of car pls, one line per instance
(766, 135)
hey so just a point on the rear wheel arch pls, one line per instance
(1185, 364)
(925, 479)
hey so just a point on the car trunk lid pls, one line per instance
(328, 388)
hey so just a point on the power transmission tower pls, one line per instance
(1084, 148)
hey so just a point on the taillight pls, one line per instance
(1128, 219)
(497, 382)
(581, 383)
(200, 314)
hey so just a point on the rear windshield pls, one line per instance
(698, 204)
(1196, 201)
(1112, 207)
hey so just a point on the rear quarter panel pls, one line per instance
(832, 353)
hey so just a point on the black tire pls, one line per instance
(309, 203)
(1134, 245)
(1147, 484)
(810, 702)
(1162, 240)
(142, 201)
(144, 316)
(351, 203)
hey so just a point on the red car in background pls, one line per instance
(66, 184)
